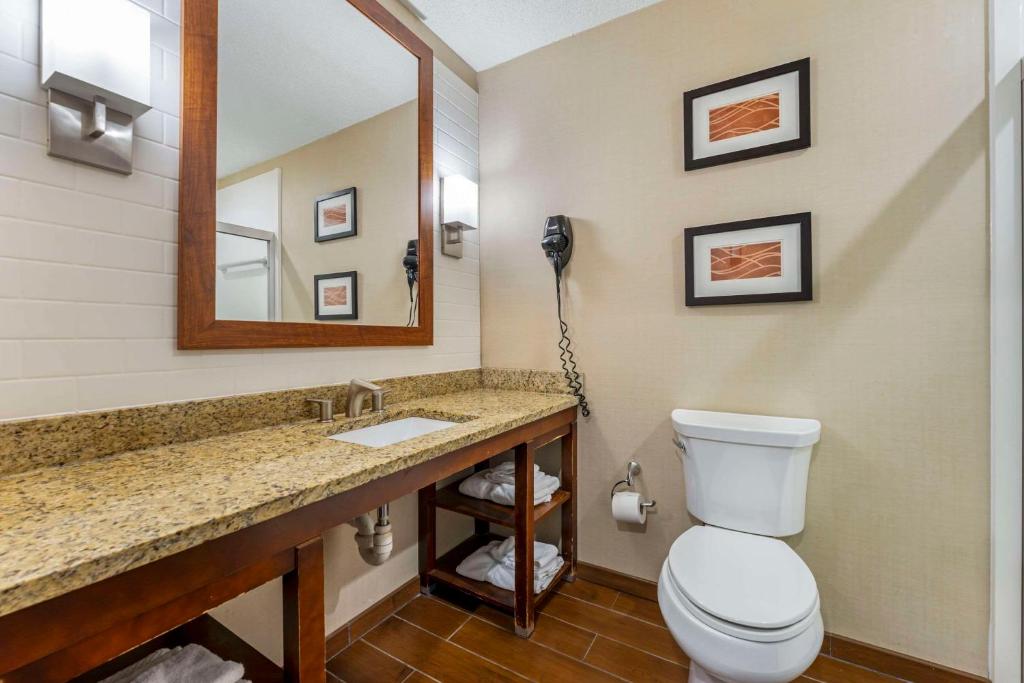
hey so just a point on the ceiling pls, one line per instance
(488, 32)
(292, 72)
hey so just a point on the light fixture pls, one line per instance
(459, 212)
(95, 65)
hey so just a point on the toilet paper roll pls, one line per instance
(626, 507)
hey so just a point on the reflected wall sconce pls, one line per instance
(460, 202)
(94, 62)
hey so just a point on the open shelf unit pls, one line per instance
(521, 518)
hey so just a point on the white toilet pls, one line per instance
(740, 602)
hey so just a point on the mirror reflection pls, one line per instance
(317, 192)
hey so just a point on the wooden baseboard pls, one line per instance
(838, 647)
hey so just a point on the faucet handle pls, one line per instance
(326, 408)
(378, 399)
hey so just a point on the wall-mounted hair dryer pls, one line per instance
(557, 245)
(411, 263)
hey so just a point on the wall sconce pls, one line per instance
(459, 212)
(95, 65)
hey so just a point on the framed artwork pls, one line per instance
(751, 116)
(336, 296)
(334, 215)
(754, 261)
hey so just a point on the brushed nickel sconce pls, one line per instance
(459, 212)
(95, 65)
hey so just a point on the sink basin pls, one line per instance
(392, 432)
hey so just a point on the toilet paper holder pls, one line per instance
(633, 469)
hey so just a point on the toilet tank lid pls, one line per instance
(760, 430)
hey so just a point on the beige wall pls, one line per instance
(378, 157)
(891, 355)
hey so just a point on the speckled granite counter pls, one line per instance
(64, 527)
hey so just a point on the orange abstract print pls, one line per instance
(743, 118)
(746, 261)
(336, 215)
(336, 296)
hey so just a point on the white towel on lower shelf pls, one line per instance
(487, 564)
(543, 554)
(190, 664)
(481, 485)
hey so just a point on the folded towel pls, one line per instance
(544, 554)
(504, 577)
(131, 672)
(191, 664)
(543, 488)
(505, 473)
(478, 563)
(480, 485)
(482, 565)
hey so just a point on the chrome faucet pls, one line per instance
(357, 391)
(326, 408)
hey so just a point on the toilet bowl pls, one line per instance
(739, 601)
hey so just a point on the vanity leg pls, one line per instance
(524, 600)
(428, 536)
(569, 509)
(305, 642)
(480, 526)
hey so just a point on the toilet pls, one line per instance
(739, 601)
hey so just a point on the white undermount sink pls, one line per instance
(392, 432)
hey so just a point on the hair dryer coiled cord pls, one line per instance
(572, 375)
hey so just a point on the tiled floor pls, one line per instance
(586, 632)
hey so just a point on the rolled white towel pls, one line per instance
(131, 672)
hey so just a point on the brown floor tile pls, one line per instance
(433, 656)
(363, 663)
(617, 626)
(639, 608)
(550, 632)
(370, 618)
(433, 615)
(523, 656)
(633, 665)
(417, 677)
(591, 592)
(828, 670)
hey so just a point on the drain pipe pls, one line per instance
(374, 540)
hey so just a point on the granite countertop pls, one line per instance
(64, 527)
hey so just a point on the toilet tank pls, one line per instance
(746, 472)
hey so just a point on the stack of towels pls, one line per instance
(189, 664)
(499, 484)
(495, 563)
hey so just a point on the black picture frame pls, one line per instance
(801, 66)
(806, 292)
(354, 315)
(317, 237)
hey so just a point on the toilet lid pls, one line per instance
(745, 579)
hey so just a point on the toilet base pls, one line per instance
(699, 675)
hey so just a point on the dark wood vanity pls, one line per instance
(72, 634)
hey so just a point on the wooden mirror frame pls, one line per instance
(198, 327)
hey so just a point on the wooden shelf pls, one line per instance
(205, 631)
(444, 572)
(449, 498)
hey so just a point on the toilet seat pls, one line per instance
(750, 587)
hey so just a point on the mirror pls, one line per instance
(306, 202)
(316, 165)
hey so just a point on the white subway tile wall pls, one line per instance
(88, 258)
